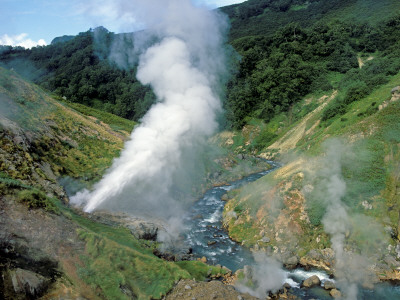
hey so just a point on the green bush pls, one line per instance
(34, 198)
(335, 108)
(356, 91)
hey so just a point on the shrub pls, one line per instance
(336, 108)
(34, 198)
(356, 92)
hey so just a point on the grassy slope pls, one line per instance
(81, 143)
(277, 201)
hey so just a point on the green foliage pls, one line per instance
(336, 108)
(78, 70)
(11, 182)
(315, 209)
(262, 140)
(113, 268)
(119, 266)
(264, 17)
(199, 270)
(34, 198)
(277, 69)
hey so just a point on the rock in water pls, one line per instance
(329, 285)
(335, 293)
(311, 281)
(28, 283)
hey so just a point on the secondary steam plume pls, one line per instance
(265, 276)
(351, 268)
(184, 66)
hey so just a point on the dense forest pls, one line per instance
(302, 48)
(276, 72)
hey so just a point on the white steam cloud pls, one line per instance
(351, 269)
(265, 276)
(184, 65)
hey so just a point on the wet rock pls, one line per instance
(396, 90)
(227, 271)
(320, 259)
(291, 262)
(329, 285)
(335, 293)
(29, 283)
(210, 243)
(143, 230)
(287, 286)
(311, 281)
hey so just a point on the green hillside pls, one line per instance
(264, 17)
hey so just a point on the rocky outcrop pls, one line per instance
(311, 281)
(216, 290)
(320, 259)
(143, 230)
(28, 283)
(395, 96)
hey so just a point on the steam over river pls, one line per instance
(207, 238)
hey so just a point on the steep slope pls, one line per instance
(46, 247)
(351, 161)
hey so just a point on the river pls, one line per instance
(207, 238)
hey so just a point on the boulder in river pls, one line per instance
(335, 293)
(291, 262)
(311, 281)
(329, 285)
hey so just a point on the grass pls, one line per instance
(122, 267)
(116, 123)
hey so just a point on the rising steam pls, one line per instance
(351, 268)
(184, 65)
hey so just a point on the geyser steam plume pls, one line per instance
(184, 65)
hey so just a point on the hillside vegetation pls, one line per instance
(287, 208)
(316, 87)
(264, 17)
(79, 70)
(47, 145)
